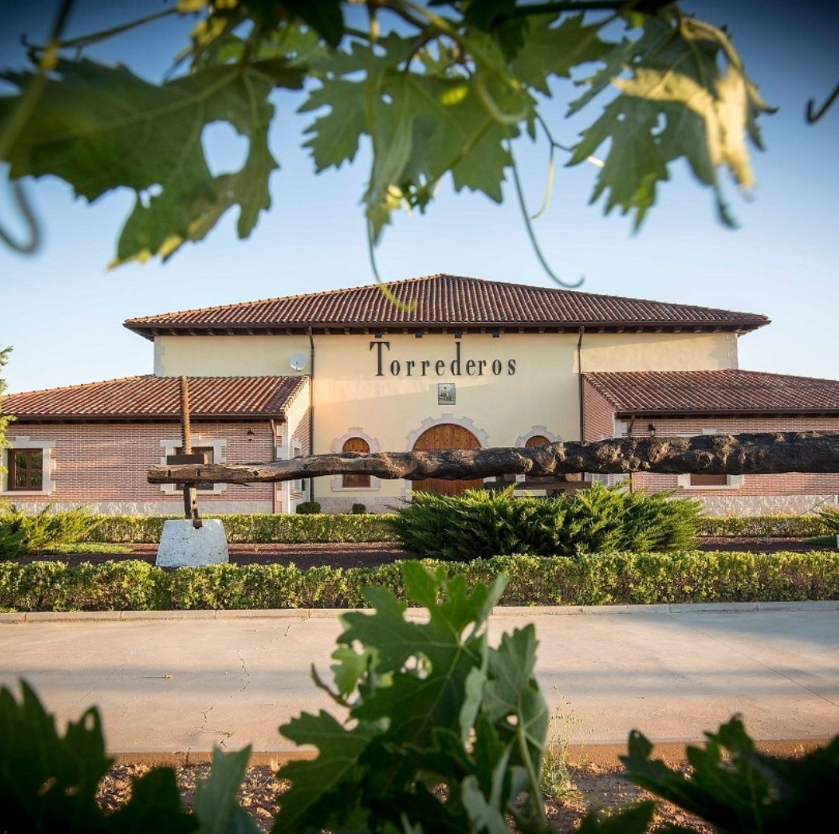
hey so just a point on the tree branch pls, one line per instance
(749, 454)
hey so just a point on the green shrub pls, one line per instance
(591, 579)
(253, 528)
(22, 532)
(776, 526)
(308, 508)
(829, 516)
(479, 524)
(359, 509)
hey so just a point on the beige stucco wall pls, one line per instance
(393, 409)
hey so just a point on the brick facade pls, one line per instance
(757, 494)
(104, 466)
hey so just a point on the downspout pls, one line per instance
(630, 428)
(311, 408)
(580, 372)
(273, 426)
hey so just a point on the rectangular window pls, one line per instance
(207, 451)
(26, 469)
(709, 480)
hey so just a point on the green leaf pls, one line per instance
(631, 819)
(155, 805)
(550, 50)
(48, 782)
(482, 815)
(312, 798)
(691, 75)
(324, 16)
(101, 128)
(215, 803)
(512, 690)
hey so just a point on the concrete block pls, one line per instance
(185, 546)
(13, 617)
(602, 610)
(808, 605)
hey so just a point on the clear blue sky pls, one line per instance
(63, 310)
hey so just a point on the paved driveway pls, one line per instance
(167, 686)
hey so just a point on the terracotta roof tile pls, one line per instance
(440, 300)
(715, 392)
(147, 398)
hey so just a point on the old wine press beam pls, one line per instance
(186, 458)
(741, 454)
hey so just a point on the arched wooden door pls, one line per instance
(438, 439)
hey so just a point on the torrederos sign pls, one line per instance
(439, 367)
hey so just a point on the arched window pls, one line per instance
(356, 444)
(536, 440)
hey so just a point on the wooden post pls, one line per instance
(190, 491)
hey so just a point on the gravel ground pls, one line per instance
(369, 554)
(594, 787)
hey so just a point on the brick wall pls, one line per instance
(104, 466)
(815, 486)
(598, 414)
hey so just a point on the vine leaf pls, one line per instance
(691, 76)
(101, 127)
(322, 787)
(215, 797)
(554, 50)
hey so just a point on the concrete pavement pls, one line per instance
(182, 685)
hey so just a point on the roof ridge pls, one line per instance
(79, 385)
(435, 275)
(148, 376)
(713, 371)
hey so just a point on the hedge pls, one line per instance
(585, 580)
(253, 529)
(776, 526)
(296, 529)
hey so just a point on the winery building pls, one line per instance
(456, 363)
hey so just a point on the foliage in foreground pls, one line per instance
(22, 532)
(5, 419)
(48, 781)
(443, 734)
(620, 578)
(481, 524)
(431, 705)
(829, 516)
(440, 90)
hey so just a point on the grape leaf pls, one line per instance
(316, 785)
(554, 50)
(215, 797)
(708, 111)
(101, 127)
(48, 782)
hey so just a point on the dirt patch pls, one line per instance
(594, 788)
(370, 554)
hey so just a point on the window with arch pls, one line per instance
(359, 481)
(536, 440)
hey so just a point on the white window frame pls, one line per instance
(731, 481)
(216, 443)
(47, 466)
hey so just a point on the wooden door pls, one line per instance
(440, 438)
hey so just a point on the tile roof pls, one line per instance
(715, 392)
(441, 300)
(152, 398)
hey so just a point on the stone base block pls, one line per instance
(184, 546)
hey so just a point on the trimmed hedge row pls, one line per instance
(584, 580)
(775, 526)
(296, 529)
(253, 529)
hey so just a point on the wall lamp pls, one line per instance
(251, 434)
(651, 430)
(418, 334)
(458, 334)
(496, 333)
